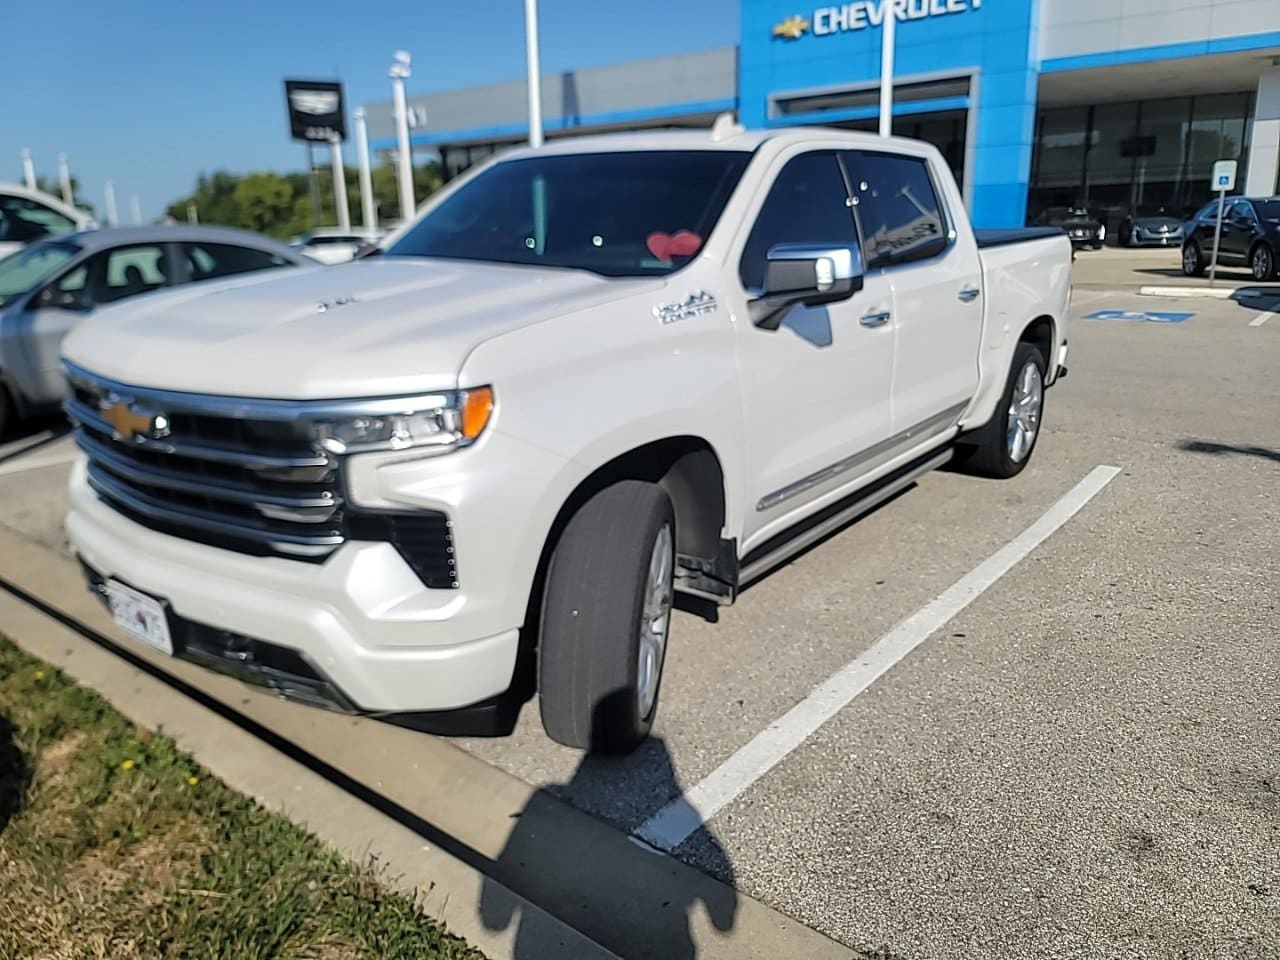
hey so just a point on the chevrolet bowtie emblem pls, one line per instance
(792, 28)
(129, 424)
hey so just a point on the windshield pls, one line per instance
(1267, 209)
(633, 214)
(25, 270)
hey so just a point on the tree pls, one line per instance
(280, 204)
(45, 185)
(265, 201)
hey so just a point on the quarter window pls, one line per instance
(898, 208)
(807, 204)
(208, 261)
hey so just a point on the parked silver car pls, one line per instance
(53, 284)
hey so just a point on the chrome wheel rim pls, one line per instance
(1190, 260)
(655, 621)
(1261, 263)
(1024, 412)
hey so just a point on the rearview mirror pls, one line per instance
(810, 274)
(54, 299)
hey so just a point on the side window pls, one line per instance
(23, 220)
(208, 261)
(898, 208)
(128, 271)
(808, 203)
(1243, 210)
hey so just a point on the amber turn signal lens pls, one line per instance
(477, 407)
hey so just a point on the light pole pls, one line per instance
(28, 168)
(366, 176)
(339, 185)
(112, 218)
(886, 67)
(535, 72)
(135, 210)
(64, 176)
(399, 73)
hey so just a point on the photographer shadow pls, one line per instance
(627, 897)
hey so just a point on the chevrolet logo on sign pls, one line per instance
(792, 28)
(130, 425)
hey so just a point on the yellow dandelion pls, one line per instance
(126, 765)
(193, 780)
(39, 674)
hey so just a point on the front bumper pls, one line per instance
(1145, 238)
(374, 638)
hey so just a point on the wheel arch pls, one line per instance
(691, 472)
(1042, 333)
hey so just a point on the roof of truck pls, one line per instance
(724, 138)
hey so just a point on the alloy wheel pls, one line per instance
(1025, 407)
(655, 621)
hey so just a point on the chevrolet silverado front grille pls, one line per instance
(241, 475)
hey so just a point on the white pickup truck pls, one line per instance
(586, 377)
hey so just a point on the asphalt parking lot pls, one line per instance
(1081, 762)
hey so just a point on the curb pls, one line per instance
(1189, 293)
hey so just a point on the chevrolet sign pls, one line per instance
(866, 13)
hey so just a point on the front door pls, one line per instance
(816, 390)
(106, 277)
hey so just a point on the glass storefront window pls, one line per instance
(1146, 157)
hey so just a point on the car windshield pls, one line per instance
(1268, 210)
(25, 270)
(630, 214)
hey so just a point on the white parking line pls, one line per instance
(1260, 319)
(675, 822)
(19, 465)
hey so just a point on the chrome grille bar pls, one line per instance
(185, 516)
(318, 506)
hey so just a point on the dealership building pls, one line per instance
(1115, 105)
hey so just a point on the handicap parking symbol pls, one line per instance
(1140, 316)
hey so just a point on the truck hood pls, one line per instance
(376, 327)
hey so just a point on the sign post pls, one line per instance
(1223, 180)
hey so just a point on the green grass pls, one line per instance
(114, 844)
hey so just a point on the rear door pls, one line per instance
(937, 289)
(1237, 227)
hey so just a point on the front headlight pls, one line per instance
(435, 424)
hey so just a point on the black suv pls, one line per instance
(1250, 237)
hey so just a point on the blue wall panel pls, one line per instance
(996, 40)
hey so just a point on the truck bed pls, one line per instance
(1002, 238)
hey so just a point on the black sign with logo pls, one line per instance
(316, 110)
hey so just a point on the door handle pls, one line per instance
(875, 319)
(969, 294)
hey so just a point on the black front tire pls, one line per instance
(593, 605)
(1193, 264)
(986, 451)
(8, 412)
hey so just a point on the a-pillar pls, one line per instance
(1264, 144)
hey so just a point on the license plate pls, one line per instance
(141, 616)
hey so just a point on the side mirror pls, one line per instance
(808, 274)
(51, 298)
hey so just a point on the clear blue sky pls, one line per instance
(152, 93)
